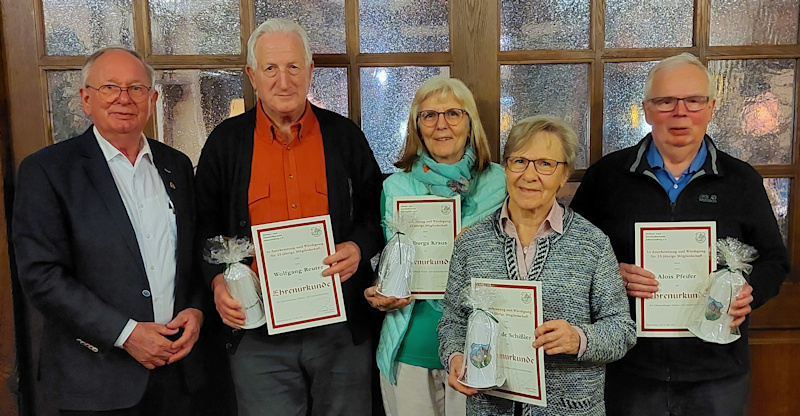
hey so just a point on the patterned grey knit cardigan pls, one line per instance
(580, 283)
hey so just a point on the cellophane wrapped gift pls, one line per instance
(710, 320)
(480, 369)
(240, 280)
(396, 268)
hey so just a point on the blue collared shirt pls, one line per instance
(671, 184)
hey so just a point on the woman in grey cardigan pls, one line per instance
(532, 237)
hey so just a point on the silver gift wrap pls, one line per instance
(480, 351)
(242, 283)
(396, 267)
(710, 321)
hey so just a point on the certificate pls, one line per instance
(518, 307)
(289, 256)
(433, 224)
(681, 255)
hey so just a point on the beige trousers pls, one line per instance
(421, 392)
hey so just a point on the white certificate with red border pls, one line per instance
(681, 255)
(289, 256)
(518, 307)
(433, 224)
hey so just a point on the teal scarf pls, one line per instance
(447, 180)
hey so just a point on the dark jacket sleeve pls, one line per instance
(584, 196)
(366, 193)
(213, 197)
(760, 230)
(43, 245)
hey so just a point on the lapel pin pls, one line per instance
(172, 185)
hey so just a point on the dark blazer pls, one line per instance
(354, 188)
(79, 262)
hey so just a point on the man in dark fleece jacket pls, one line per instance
(676, 173)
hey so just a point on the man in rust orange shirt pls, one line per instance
(287, 159)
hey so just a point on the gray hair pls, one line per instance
(526, 129)
(443, 86)
(673, 62)
(87, 67)
(276, 26)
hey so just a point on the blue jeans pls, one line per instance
(628, 395)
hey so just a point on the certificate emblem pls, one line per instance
(446, 210)
(480, 355)
(700, 237)
(316, 231)
(526, 298)
(713, 309)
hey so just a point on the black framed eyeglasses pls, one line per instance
(693, 103)
(110, 92)
(518, 164)
(452, 116)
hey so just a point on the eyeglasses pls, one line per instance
(693, 103)
(519, 164)
(452, 116)
(110, 92)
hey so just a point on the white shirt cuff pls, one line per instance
(126, 332)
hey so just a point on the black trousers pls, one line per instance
(166, 395)
(629, 395)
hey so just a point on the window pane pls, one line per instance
(200, 27)
(778, 193)
(329, 89)
(386, 95)
(79, 27)
(192, 103)
(754, 116)
(751, 22)
(560, 90)
(623, 117)
(403, 26)
(322, 19)
(648, 23)
(544, 24)
(67, 118)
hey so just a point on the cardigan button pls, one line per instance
(242, 223)
(146, 293)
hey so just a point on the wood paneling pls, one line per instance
(25, 92)
(775, 373)
(475, 40)
(9, 377)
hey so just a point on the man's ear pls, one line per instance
(87, 106)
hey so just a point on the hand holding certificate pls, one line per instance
(434, 223)
(681, 255)
(518, 307)
(296, 294)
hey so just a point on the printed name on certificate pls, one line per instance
(289, 256)
(518, 307)
(432, 224)
(681, 255)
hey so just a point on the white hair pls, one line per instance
(673, 62)
(88, 65)
(276, 26)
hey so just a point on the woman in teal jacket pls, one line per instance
(446, 154)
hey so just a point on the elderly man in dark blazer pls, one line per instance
(103, 229)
